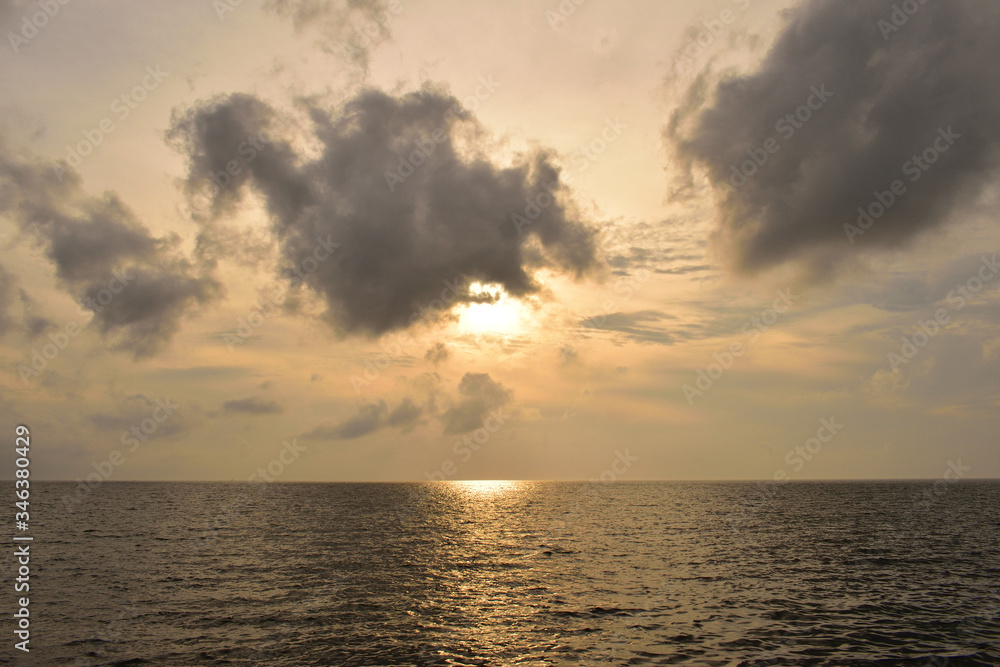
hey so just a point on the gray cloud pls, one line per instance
(252, 406)
(12, 12)
(901, 292)
(34, 325)
(370, 418)
(641, 325)
(405, 416)
(892, 91)
(138, 286)
(437, 353)
(345, 27)
(408, 249)
(7, 293)
(134, 410)
(480, 394)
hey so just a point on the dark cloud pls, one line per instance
(681, 270)
(480, 394)
(405, 416)
(893, 90)
(437, 353)
(412, 237)
(138, 286)
(252, 406)
(641, 326)
(370, 418)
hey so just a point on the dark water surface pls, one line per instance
(527, 573)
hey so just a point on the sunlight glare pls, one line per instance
(501, 316)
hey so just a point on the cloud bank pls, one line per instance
(907, 94)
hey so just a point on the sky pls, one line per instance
(390, 240)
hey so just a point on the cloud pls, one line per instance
(568, 356)
(437, 353)
(138, 286)
(916, 290)
(252, 406)
(640, 326)
(481, 393)
(12, 12)
(405, 416)
(34, 325)
(133, 411)
(412, 237)
(28, 322)
(478, 394)
(370, 418)
(7, 292)
(348, 27)
(897, 87)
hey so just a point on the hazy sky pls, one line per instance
(394, 240)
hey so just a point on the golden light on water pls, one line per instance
(486, 487)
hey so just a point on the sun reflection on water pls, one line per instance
(486, 488)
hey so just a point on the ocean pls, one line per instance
(512, 573)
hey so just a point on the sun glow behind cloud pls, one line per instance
(503, 315)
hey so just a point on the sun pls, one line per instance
(501, 316)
